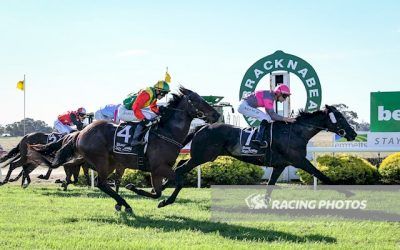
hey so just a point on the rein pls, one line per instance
(199, 115)
(167, 139)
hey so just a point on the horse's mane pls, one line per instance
(177, 97)
(302, 114)
(173, 103)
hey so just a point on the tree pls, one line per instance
(1, 129)
(351, 117)
(31, 125)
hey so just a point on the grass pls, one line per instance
(44, 217)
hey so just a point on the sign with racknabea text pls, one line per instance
(385, 112)
(384, 139)
(285, 62)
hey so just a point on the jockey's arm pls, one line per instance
(76, 122)
(139, 103)
(154, 107)
(274, 116)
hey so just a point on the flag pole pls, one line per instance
(24, 104)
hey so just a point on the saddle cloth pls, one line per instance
(123, 137)
(247, 147)
(52, 137)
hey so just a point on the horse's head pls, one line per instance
(336, 123)
(197, 107)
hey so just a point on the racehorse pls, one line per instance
(289, 145)
(19, 157)
(95, 144)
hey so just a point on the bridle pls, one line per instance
(190, 106)
(197, 114)
(332, 117)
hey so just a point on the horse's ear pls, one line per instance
(327, 108)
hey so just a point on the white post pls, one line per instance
(198, 177)
(315, 183)
(92, 178)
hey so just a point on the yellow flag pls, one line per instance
(167, 77)
(20, 85)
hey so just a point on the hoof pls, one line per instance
(41, 176)
(162, 203)
(2, 183)
(118, 207)
(58, 181)
(130, 186)
(25, 186)
(128, 210)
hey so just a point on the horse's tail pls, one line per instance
(64, 154)
(12, 160)
(49, 148)
(190, 136)
(13, 152)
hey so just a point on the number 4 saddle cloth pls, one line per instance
(123, 137)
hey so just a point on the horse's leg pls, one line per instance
(27, 169)
(119, 172)
(86, 173)
(102, 184)
(47, 176)
(13, 166)
(307, 166)
(156, 182)
(68, 173)
(180, 171)
(17, 177)
(104, 169)
(276, 172)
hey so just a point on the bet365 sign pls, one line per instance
(385, 112)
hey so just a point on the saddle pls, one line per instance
(248, 147)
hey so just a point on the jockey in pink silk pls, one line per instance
(266, 99)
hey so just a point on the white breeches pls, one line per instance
(61, 128)
(247, 110)
(99, 116)
(129, 116)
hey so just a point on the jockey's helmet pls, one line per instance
(282, 89)
(81, 111)
(163, 86)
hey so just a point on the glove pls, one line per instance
(146, 123)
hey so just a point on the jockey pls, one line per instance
(65, 121)
(265, 98)
(142, 106)
(108, 113)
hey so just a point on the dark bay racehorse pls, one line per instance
(19, 157)
(289, 145)
(95, 144)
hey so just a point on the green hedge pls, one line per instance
(389, 169)
(344, 169)
(226, 171)
(223, 171)
(136, 177)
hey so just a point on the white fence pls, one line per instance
(314, 150)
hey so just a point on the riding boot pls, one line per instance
(138, 131)
(259, 140)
